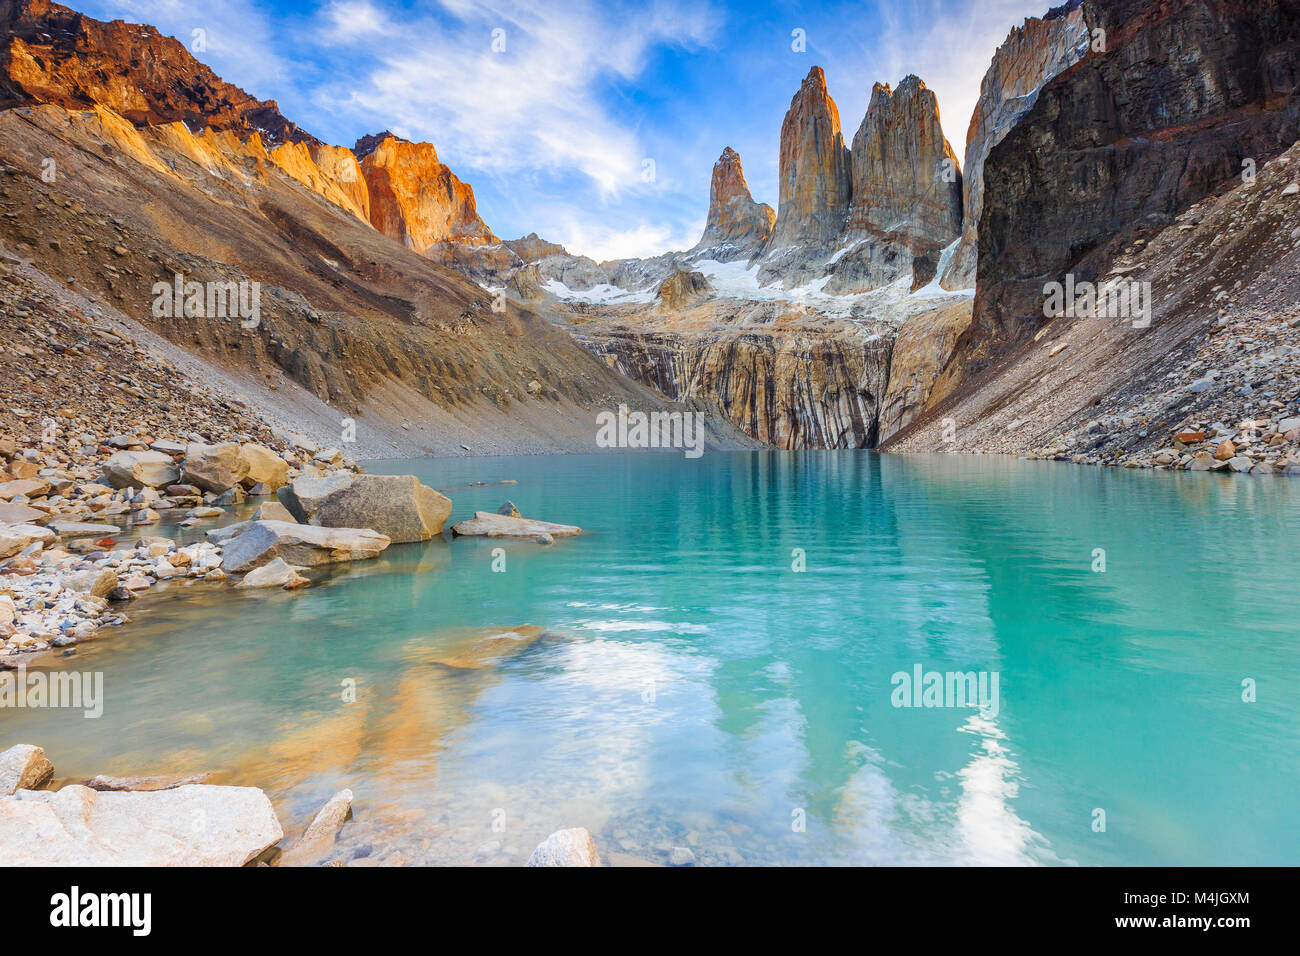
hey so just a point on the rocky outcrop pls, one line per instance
(1218, 361)
(737, 227)
(1126, 138)
(682, 288)
(193, 825)
(52, 54)
(299, 545)
(906, 179)
(572, 847)
(414, 198)
(1031, 55)
(920, 354)
(797, 388)
(815, 182)
(330, 171)
(397, 506)
(855, 220)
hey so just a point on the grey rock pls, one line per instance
(302, 545)
(397, 506)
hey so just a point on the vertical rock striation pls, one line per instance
(801, 388)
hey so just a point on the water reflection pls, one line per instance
(688, 687)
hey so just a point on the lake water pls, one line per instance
(692, 689)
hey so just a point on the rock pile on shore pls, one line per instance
(1233, 407)
(76, 517)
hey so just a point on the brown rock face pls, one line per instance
(922, 349)
(682, 287)
(331, 171)
(737, 226)
(1030, 55)
(51, 54)
(415, 199)
(1126, 138)
(906, 179)
(804, 388)
(814, 171)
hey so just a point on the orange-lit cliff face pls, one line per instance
(414, 198)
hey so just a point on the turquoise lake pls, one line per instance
(692, 689)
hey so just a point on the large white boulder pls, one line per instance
(194, 825)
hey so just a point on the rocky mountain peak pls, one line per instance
(737, 227)
(906, 181)
(415, 199)
(51, 54)
(815, 185)
(370, 142)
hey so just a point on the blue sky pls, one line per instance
(592, 124)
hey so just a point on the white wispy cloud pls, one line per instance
(949, 46)
(510, 87)
(601, 240)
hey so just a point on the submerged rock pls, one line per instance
(398, 506)
(318, 839)
(492, 648)
(192, 825)
(572, 847)
(275, 574)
